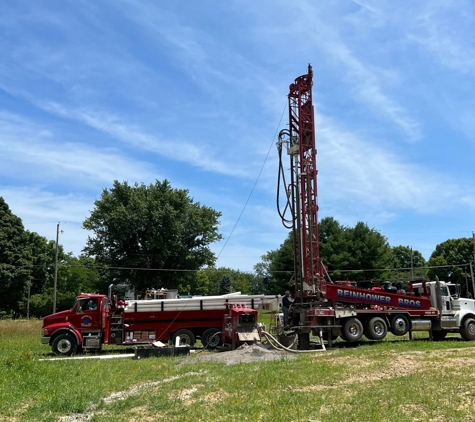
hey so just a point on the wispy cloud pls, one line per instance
(34, 153)
(352, 167)
(441, 29)
(41, 210)
(196, 153)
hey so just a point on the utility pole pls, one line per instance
(55, 268)
(412, 267)
(29, 294)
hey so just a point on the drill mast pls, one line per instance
(302, 195)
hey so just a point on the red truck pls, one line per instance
(95, 320)
(351, 312)
(323, 307)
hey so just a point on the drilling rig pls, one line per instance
(302, 202)
(327, 308)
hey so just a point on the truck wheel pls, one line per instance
(400, 325)
(64, 344)
(468, 330)
(352, 329)
(376, 329)
(187, 338)
(211, 338)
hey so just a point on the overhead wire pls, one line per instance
(254, 186)
(98, 266)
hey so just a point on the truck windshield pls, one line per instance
(444, 291)
(86, 305)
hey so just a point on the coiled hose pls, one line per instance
(273, 341)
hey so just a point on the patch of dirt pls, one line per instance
(215, 397)
(122, 395)
(244, 354)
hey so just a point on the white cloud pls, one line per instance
(353, 168)
(32, 152)
(41, 210)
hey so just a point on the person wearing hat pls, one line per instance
(387, 286)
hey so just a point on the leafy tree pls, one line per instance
(83, 275)
(155, 228)
(263, 282)
(198, 285)
(40, 254)
(42, 304)
(225, 286)
(240, 281)
(402, 258)
(370, 253)
(336, 249)
(14, 266)
(449, 261)
(278, 267)
(357, 253)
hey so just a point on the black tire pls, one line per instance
(468, 329)
(400, 325)
(64, 344)
(352, 329)
(438, 335)
(376, 328)
(211, 338)
(187, 338)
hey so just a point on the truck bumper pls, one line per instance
(45, 340)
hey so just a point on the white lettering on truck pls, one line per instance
(371, 297)
(409, 303)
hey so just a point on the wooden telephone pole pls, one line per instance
(55, 268)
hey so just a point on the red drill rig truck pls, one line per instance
(96, 320)
(330, 309)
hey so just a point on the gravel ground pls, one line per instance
(244, 354)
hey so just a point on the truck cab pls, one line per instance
(82, 327)
(456, 314)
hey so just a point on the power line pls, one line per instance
(105, 267)
(255, 184)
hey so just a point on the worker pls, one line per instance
(92, 305)
(388, 287)
(286, 302)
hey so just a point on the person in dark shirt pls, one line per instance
(286, 302)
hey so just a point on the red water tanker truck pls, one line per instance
(97, 320)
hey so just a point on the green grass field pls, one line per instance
(394, 380)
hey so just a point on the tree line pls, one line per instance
(155, 236)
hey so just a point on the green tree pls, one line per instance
(151, 235)
(83, 276)
(336, 249)
(402, 259)
(225, 286)
(450, 260)
(358, 253)
(14, 266)
(40, 255)
(370, 253)
(241, 281)
(279, 266)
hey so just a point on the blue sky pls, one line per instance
(193, 92)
